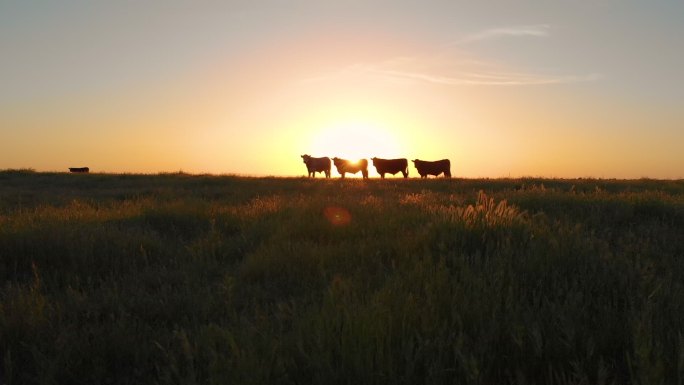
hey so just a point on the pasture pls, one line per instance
(199, 279)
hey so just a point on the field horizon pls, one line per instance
(413, 175)
(183, 278)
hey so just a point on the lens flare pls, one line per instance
(337, 216)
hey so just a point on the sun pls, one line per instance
(355, 140)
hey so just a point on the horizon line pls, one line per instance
(256, 176)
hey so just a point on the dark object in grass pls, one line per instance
(79, 169)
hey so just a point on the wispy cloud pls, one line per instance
(439, 71)
(538, 30)
(484, 79)
(454, 65)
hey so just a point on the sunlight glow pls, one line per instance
(355, 140)
(246, 88)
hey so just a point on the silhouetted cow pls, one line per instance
(391, 166)
(435, 168)
(79, 169)
(314, 165)
(347, 166)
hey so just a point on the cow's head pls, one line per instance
(336, 161)
(306, 158)
(415, 160)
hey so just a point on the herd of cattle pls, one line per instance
(383, 166)
(344, 166)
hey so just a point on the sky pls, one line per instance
(502, 88)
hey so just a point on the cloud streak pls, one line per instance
(485, 79)
(538, 30)
(453, 65)
(418, 71)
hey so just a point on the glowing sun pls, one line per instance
(355, 140)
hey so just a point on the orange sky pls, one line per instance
(565, 90)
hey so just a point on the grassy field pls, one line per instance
(182, 279)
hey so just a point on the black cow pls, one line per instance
(391, 166)
(314, 165)
(347, 166)
(435, 168)
(79, 169)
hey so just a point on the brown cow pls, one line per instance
(346, 166)
(391, 166)
(435, 168)
(314, 165)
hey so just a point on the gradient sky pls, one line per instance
(502, 88)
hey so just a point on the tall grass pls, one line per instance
(187, 279)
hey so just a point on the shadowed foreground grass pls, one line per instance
(173, 278)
